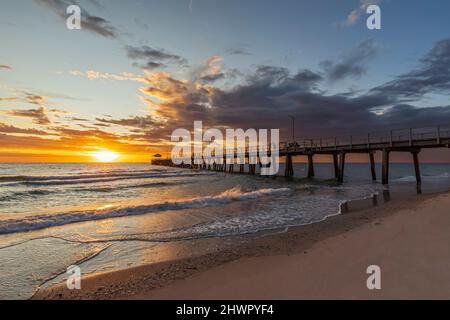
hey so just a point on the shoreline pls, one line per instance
(145, 282)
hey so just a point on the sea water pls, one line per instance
(105, 217)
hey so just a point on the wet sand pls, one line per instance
(409, 239)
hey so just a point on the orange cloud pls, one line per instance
(38, 116)
(95, 75)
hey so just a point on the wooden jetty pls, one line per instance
(411, 140)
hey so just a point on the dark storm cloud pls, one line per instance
(268, 74)
(151, 58)
(432, 76)
(352, 63)
(268, 105)
(91, 23)
(405, 115)
(317, 114)
(307, 77)
(271, 94)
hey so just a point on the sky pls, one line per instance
(137, 70)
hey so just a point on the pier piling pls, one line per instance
(385, 167)
(417, 166)
(410, 140)
(341, 167)
(372, 166)
(289, 170)
(310, 166)
(336, 166)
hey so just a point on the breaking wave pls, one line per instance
(47, 221)
(443, 176)
(89, 179)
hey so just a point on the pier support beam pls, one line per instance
(372, 166)
(341, 167)
(385, 167)
(252, 168)
(310, 166)
(417, 166)
(336, 165)
(289, 170)
(231, 168)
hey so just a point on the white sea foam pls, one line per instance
(442, 176)
(46, 221)
(84, 180)
(86, 176)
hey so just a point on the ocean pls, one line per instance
(105, 217)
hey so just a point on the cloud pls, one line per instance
(265, 98)
(7, 99)
(91, 23)
(308, 77)
(38, 116)
(431, 76)
(5, 128)
(95, 75)
(356, 14)
(210, 71)
(78, 144)
(79, 119)
(352, 63)
(5, 67)
(35, 99)
(270, 93)
(237, 52)
(136, 122)
(151, 58)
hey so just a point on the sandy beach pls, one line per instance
(408, 239)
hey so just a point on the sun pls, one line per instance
(105, 156)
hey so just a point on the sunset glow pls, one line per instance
(135, 90)
(105, 156)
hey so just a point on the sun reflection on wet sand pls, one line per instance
(106, 206)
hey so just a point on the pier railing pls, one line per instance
(378, 139)
(410, 140)
(387, 137)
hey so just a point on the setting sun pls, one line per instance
(105, 156)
